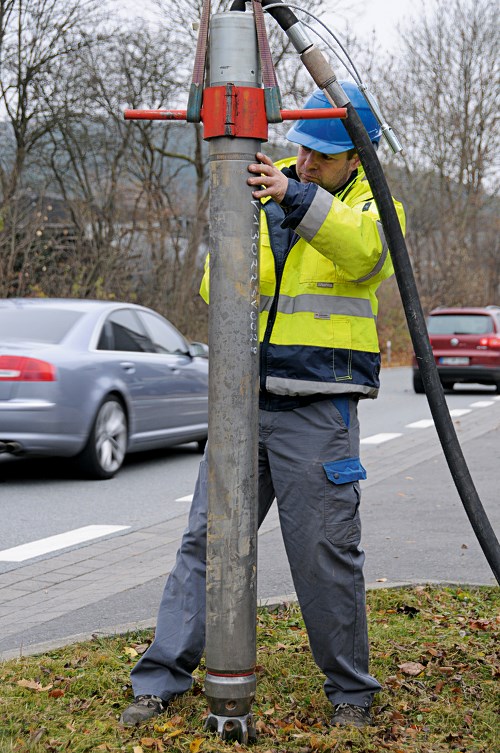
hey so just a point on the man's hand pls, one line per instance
(274, 182)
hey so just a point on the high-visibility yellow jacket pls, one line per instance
(322, 259)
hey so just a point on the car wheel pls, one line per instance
(107, 444)
(201, 445)
(418, 385)
(448, 385)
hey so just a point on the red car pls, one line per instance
(466, 346)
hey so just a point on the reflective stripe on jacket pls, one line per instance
(318, 307)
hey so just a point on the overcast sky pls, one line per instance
(384, 16)
(366, 15)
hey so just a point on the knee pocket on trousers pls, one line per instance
(342, 498)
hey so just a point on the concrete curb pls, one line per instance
(274, 601)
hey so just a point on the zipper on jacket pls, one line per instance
(279, 266)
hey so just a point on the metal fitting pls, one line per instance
(230, 695)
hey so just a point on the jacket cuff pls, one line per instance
(296, 202)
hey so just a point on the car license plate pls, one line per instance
(454, 360)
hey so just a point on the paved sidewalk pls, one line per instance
(414, 530)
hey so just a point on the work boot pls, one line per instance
(348, 715)
(144, 707)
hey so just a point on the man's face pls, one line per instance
(330, 171)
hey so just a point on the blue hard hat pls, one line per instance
(329, 135)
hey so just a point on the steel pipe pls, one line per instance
(233, 399)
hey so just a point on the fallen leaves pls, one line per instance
(482, 624)
(439, 674)
(130, 652)
(412, 668)
(169, 724)
(446, 670)
(438, 687)
(33, 685)
(149, 743)
(56, 693)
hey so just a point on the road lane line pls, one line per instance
(423, 424)
(187, 498)
(53, 543)
(481, 404)
(379, 438)
(457, 412)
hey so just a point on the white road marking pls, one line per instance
(423, 424)
(379, 438)
(386, 437)
(187, 498)
(60, 541)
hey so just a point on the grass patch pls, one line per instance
(435, 651)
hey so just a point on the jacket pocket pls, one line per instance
(342, 498)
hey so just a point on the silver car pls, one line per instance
(95, 380)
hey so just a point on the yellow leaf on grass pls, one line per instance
(195, 745)
(137, 749)
(130, 652)
(161, 728)
(33, 685)
(148, 742)
(175, 733)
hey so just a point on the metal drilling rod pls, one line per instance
(233, 398)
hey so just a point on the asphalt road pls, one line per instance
(414, 525)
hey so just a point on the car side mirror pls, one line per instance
(198, 350)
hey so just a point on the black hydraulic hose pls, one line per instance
(414, 316)
(284, 16)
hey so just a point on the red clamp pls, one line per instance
(234, 111)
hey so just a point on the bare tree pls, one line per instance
(443, 94)
(37, 38)
(136, 191)
(6, 9)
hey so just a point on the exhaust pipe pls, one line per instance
(10, 447)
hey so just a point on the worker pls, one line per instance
(322, 256)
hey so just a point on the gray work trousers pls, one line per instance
(302, 463)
